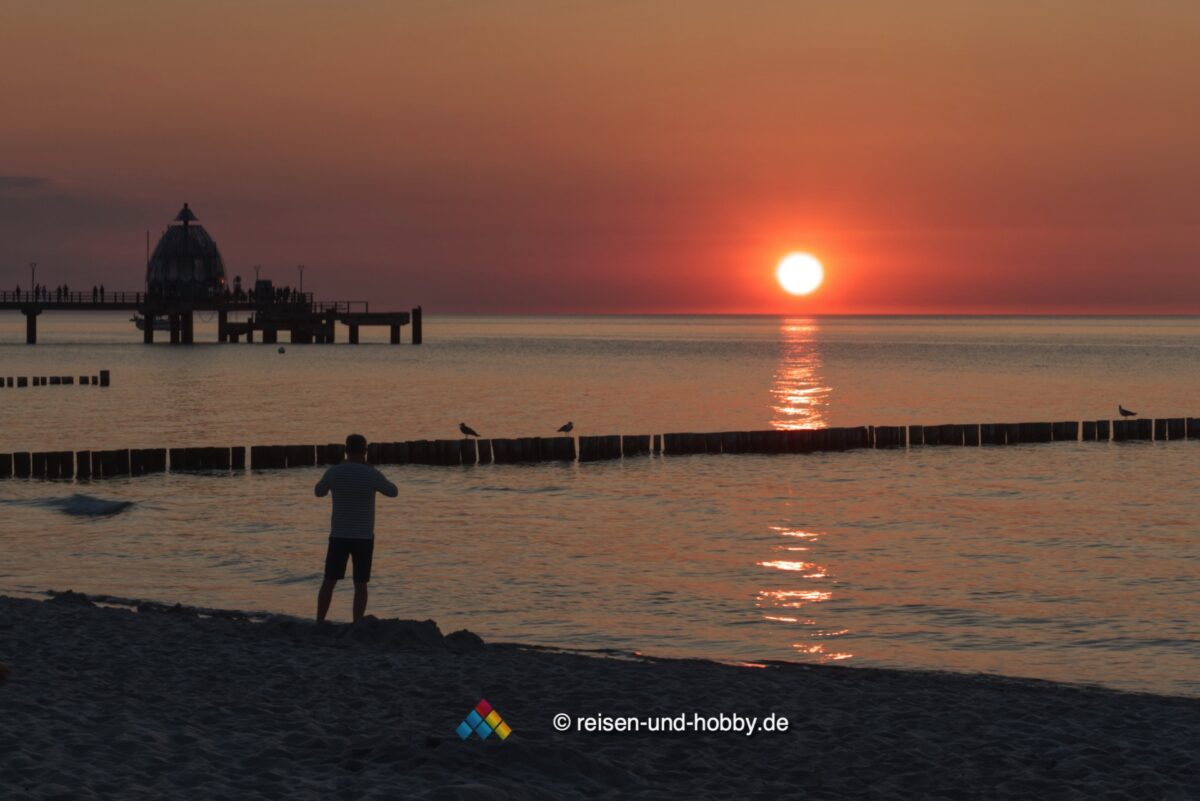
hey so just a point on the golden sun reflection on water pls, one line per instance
(794, 599)
(777, 603)
(798, 392)
(797, 567)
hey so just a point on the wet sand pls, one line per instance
(155, 702)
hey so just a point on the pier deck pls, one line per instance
(306, 319)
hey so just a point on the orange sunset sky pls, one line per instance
(617, 157)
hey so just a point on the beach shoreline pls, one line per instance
(168, 702)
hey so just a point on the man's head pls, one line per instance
(356, 448)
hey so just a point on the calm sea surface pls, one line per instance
(1075, 562)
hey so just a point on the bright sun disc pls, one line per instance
(799, 273)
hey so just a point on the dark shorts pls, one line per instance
(340, 551)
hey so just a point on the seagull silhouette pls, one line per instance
(566, 429)
(1125, 412)
(467, 430)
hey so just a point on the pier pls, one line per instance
(87, 464)
(185, 276)
(303, 318)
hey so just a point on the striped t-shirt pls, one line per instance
(354, 485)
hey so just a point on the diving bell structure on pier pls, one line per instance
(186, 262)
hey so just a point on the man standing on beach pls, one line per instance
(352, 524)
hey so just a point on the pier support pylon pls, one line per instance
(148, 331)
(31, 316)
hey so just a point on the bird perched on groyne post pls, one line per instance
(467, 431)
(1125, 412)
(566, 428)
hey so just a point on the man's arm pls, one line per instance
(385, 487)
(322, 488)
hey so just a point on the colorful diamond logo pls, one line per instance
(483, 721)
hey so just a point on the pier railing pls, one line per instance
(470, 452)
(54, 298)
(340, 307)
(70, 298)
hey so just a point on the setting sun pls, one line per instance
(799, 273)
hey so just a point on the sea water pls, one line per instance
(1068, 561)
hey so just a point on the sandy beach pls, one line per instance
(156, 702)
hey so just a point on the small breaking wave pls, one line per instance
(80, 505)
(524, 490)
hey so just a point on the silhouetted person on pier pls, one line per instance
(95, 293)
(102, 293)
(352, 523)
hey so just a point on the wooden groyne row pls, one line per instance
(101, 379)
(122, 462)
(141, 461)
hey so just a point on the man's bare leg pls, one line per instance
(324, 597)
(360, 600)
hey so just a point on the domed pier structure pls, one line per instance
(186, 275)
(186, 264)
